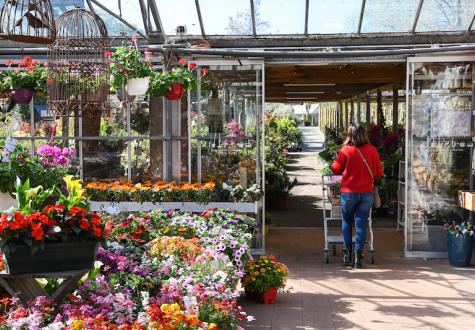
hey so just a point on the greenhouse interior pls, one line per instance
(168, 165)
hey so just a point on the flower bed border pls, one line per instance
(183, 206)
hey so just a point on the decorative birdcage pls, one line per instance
(78, 69)
(28, 21)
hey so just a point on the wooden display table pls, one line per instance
(26, 288)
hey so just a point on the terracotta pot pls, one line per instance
(22, 95)
(176, 92)
(137, 86)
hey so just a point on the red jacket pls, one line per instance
(356, 178)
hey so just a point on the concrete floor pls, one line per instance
(394, 293)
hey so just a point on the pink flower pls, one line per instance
(182, 62)
(148, 55)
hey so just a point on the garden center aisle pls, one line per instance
(304, 207)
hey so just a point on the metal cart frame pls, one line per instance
(332, 201)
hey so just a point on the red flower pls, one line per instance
(96, 219)
(8, 62)
(54, 208)
(107, 54)
(37, 231)
(182, 62)
(77, 211)
(84, 225)
(97, 231)
(192, 66)
(204, 72)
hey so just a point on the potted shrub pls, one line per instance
(263, 279)
(129, 70)
(27, 78)
(459, 243)
(61, 237)
(172, 83)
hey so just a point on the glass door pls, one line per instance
(439, 149)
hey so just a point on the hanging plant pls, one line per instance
(129, 69)
(24, 79)
(172, 83)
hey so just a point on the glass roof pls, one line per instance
(277, 17)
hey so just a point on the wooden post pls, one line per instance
(379, 109)
(395, 108)
(368, 107)
(340, 117)
(358, 110)
(352, 112)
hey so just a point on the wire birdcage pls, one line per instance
(28, 21)
(78, 70)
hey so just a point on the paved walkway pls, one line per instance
(394, 293)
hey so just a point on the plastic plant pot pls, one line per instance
(460, 250)
(137, 86)
(176, 92)
(22, 95)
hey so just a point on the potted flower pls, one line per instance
(46, 168)
(129, 70)
(59, 237)
(459, 243)
(172, 83)
(27, 78)
(263, 279)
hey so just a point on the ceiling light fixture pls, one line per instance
(301, 98)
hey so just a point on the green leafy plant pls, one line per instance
(182, 74)
(127, 63)
(26, 74)
(30, 199)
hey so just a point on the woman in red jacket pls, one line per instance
(358, 161)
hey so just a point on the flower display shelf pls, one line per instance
(182, 206)
(26, 288)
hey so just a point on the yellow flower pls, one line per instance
(73, 185)
(77, 325)
(263, 270)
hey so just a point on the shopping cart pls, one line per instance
(332, 215)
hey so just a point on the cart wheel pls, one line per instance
(326, 257)
(333, 250)
(371, 258)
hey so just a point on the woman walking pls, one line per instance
(359, 163)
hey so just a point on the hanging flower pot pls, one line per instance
(460, 249)
(137, 86)
(176, 92)
(22, 95)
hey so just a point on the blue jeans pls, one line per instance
(355, 208)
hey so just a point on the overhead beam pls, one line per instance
(307, 4)
(98, 4)
(158, 22)
(143, 10)
(200, 18)
(360, 21)
(416, 18)
(334, 40)
(253, 17)
(471, 23)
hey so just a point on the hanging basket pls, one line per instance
(176, 92)
(22, 95)
(137, 86)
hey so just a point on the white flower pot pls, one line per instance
(6, 201)
(137, 86)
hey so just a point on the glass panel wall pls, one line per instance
(438, 151)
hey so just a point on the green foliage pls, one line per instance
(127, 63)
(31, 199)
(20, 164)
(288, 129)
(160, 82)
